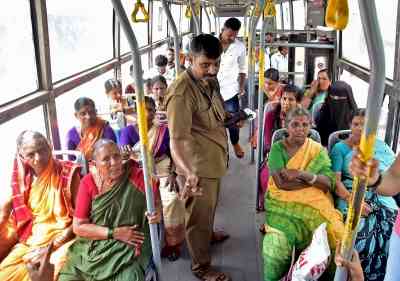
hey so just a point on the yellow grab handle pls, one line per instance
(270, 10)
(188, 12)
(139, 7)
(337, 14)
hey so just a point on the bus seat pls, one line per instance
(282, 133)
(337, 136)
(77, 157)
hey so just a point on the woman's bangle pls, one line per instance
(110, 233)
(313, 180)
(375, 185)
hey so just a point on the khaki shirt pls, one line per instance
(196, 114)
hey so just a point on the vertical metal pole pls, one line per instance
(207, 15)
(175, 33)
(216, 21)
(251, 61)
(42, 50)
(144, 143)
(267, 22)
(376, 89)
(150, 34)
(282, 21)
(391, 121)
(291, 14)
(195, 18)
(396, 128)
(117, 47)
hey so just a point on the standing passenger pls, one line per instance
(232, 75)
(280, 60)
(199, 148)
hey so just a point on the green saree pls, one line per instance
(112, 260)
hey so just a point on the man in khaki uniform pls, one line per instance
(199, 147)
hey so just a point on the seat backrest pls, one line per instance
(282, 133)
(78, 158)
(337, 136)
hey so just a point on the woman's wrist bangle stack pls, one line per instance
(110, 233)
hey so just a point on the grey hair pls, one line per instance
(297, 112)
(100, 143)
(28, 135)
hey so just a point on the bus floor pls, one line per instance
(240, 255)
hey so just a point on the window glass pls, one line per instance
(32, 120)
(126, 78)
(278, 17)
(139, 28)
(286, 15)
(93, 89)
(299, 14)
(360, 92)
(185, 21)
(17, 55)
(176, 14)
(159, 22)
(207, 26)
(354, 46)
(80, 35)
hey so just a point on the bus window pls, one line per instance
(185, 22)
(32, 120)
(286, 15)
(278, 17)
(139, 28)
(354, 46)
(93, 89)
(299, 67)
(80, 32)
(159, 22)
(360, 92)
(17, 55)
(299, 14)
(176, 14)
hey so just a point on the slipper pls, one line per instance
(212, 275)
(219, 237)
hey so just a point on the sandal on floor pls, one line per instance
(219, 237)
(212, 275)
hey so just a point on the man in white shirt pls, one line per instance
(232, 74)
(280, 60)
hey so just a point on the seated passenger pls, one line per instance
(274, 120)
(299, 196)
(111, 222)
(159, 90)
(173, 208)
(130, 89)
(43, 196)
(160, 68)
(272, 88)
(315, 96)
(379, 212)
(91, 129)
(337, 111)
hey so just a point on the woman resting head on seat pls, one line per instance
(337, 111)
(173, 208)
(272, 87)
(159, 90)
(379, 212)
(299, 196)
(91, 129)
(111, 221)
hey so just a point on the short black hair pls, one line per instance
(326, 71)
(111, 84)
(233, 23)
(280, 48)
(206, 44)
(272, 74)
(83, 101)
(291, 88)
(159, 78)
(161, 60)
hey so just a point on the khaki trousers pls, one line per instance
(199, 222)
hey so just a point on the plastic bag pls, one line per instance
(314, 260)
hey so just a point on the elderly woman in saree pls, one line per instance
(111, 222)
(299, 196)
(173, 208)
(379, 212)
(43, 192)
(91, 129)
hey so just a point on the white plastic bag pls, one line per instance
(314, 259)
